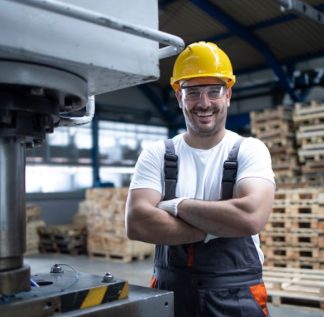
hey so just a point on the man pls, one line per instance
(206, 232)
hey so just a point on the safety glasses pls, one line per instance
(194, 93)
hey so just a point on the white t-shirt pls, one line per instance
(200, 171)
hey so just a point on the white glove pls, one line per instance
(210, 237)
(171, 206)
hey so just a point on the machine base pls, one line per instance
(79, 294)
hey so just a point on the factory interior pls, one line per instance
(85, 88)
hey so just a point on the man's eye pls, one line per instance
(213, 92)
(194, 93)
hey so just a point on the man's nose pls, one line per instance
(204, 99)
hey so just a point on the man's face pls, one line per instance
(204, 102)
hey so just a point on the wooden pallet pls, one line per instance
(298, 287)
(305, 209)
(305, 114)
(295, 222)
(280, 144)
(108, 245)
(273, 128)
(297, 196)
(279, 112)
(293, 253)
(310, 264)
(316, 155)
(295, 239)
(282, 175)
(69, 239)
(305, 180)
(310, 139)
(314, 168)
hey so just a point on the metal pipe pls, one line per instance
(175, 43)
(303, 9)
(12, 204)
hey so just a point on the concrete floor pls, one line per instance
(137, 273)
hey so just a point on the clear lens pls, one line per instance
(194, 93)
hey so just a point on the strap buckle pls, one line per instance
(171, 157)
(229, 171)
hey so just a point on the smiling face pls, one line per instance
(205, 113)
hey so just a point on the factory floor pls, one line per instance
(137, 273)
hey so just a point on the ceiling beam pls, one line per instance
(263, 24)
(242, 32)
(171, 118)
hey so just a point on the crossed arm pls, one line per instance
(241, 216)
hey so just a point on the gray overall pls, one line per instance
(216, 279)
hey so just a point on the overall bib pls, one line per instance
(216, 279)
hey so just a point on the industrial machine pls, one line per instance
(54, 58)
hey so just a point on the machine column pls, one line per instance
(14, 276)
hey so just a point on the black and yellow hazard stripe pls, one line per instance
(94, 296)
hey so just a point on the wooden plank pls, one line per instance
(314, 127)
(309, 264)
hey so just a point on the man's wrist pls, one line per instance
(171, 206)
(181, 206)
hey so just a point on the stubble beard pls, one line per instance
(209, 131)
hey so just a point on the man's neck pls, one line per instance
(203, 142)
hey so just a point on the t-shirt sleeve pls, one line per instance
(149, 167)
(254, 160)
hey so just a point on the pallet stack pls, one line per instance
(33, 222)
(68, 239)
(106, 226)
(309, 123)
(294, 234)
(296, 287)
(276, 129)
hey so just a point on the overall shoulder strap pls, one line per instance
(230, 170)
(170, 170)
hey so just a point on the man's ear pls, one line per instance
(179, 98)
(229, 96)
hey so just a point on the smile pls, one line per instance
(204, 114)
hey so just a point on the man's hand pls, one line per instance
(171, 206)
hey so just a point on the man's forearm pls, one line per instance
(241, 216)
(159, 227)
(220, 218)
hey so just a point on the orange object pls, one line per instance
(260, 295)
(153, 282)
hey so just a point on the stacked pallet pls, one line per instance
(33, 222)
(309, 123)
(275, 128)
(106, 226)
(68, 239)
(294, 234)
(297, 287)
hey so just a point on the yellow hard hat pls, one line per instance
(202, 59)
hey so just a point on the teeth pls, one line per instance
(204, 114)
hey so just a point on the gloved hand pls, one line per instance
(209, 237)
(171, 206)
